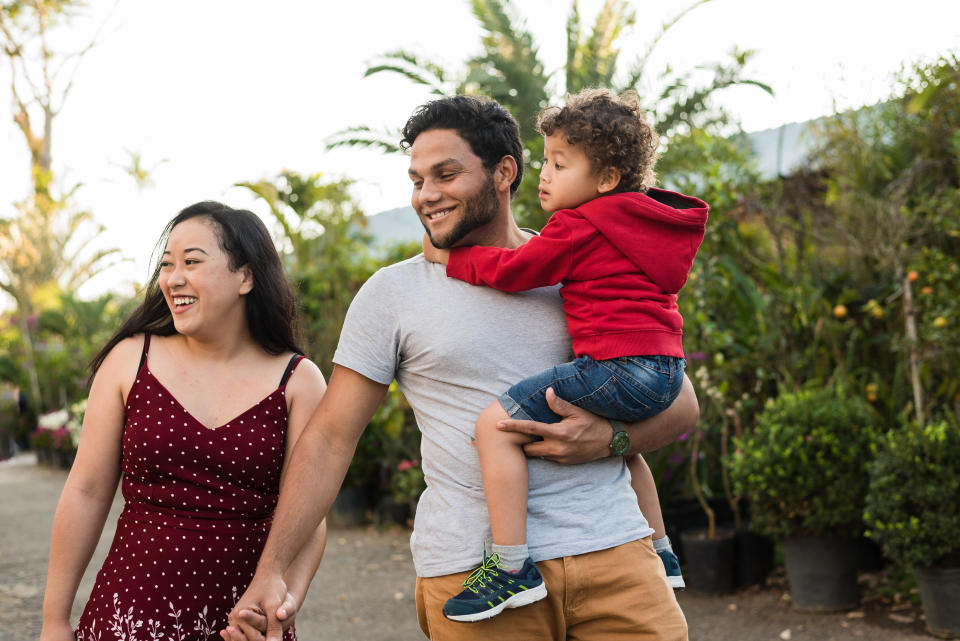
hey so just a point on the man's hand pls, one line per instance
(256, 621)
(579, 438)
(263, 602)
(433, 254)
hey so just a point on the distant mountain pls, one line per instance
(394, 226)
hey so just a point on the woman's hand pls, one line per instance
(250, 624)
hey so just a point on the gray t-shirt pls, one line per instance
(453, 349)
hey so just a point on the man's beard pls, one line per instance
(478, 210)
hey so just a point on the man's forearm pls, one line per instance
(310, 485)
(664, 428)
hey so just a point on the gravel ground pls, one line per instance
(364, 589)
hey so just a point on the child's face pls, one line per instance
(566, 179)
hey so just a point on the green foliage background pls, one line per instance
(911, 508)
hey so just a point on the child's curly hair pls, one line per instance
(612, 131)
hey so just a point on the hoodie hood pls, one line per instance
(659, 231)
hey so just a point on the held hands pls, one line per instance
(580, 437)
(433, 254)
(264, 612)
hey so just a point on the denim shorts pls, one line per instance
(627, 388)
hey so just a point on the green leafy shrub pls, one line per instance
(913, 506)
(408, 483)
(804, 467)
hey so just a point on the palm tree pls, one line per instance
(42, 247)
(510, 71)
(321, 229)
(44, 251)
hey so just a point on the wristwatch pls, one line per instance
(620, 442)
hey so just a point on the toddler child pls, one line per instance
(622, 250)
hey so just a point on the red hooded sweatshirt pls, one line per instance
(621, 258)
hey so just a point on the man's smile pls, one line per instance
(438, 214)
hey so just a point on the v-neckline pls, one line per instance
(198, 421)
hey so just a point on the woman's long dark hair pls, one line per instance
(271, 307)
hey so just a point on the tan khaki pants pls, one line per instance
(618, 594)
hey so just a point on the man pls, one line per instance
(454, 348)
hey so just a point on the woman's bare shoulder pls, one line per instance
(122, 362)
(306, 381)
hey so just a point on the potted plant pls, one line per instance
(912, 511)
(349, 509)
(804, 471)
(41, 442)
(710, 553)
(407, 485)
(723, 555)
(8, 423)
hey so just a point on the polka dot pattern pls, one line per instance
(198, 507)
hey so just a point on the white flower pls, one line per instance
(53, 420)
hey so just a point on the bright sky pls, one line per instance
(219, 91)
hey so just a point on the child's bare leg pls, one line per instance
(505, 479)
(641, 479)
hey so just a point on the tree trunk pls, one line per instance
(910, 321)
(30, 363)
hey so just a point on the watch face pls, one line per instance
(620, 443)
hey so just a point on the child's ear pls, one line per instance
(609, 179)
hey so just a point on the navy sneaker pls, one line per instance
(672, 565)
(490, 589)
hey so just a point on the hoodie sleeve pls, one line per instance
(543, 260)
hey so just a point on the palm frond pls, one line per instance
(637, 70)
(509, 68)
(419, 71)
(365, 137)
(574, 28)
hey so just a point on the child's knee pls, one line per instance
(486, 427)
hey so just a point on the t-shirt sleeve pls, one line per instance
(370, 339)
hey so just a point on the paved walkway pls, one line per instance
(364, 589)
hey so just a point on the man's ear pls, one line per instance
(246, 282)
(505, 173)
(609, 180)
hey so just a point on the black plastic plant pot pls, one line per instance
(940, 593)
(822, 572)
(711, 563)
(754, 558)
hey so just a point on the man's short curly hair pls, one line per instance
(488, 128)
(611, 130)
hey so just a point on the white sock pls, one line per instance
(662, 543)
(511, 556)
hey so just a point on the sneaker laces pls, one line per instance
(488, 569)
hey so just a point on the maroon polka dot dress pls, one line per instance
(198, 507)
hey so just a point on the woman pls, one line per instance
(196, 399)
